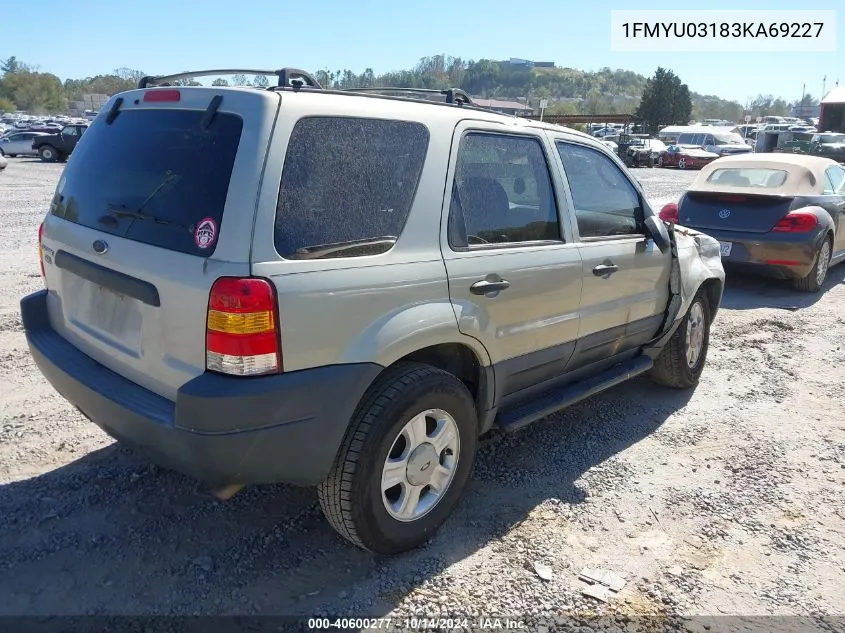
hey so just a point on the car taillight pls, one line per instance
(669, 213)
(41, 250)
(242, 331)
(797, 222)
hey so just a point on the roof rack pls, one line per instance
(453, 95)
(293, 77)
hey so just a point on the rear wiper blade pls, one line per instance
(115, 211)
(379, 244)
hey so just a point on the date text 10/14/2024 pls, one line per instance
(418, 624)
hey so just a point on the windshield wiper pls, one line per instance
(327, 250)
(121, 211)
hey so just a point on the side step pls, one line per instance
(517, 417)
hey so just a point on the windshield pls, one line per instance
(729, 139)
(832, 138)
(748, 177)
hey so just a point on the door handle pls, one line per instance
(486, 287)
(605, 270)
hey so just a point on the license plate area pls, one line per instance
(725, 248)
(104, 314)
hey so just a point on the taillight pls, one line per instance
(162, 96)
(797, 222)
(669, 213)
(41, 250)
(242, 331)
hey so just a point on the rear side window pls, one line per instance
(347, 186)
(152, 176)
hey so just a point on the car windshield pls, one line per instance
(729, 139)
(748, 177)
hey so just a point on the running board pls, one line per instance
(515, 418)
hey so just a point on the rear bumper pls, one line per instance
(223, 430)
(783, 256)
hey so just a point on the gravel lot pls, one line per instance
(725, 500)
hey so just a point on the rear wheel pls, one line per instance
(660, 161)
(814, 280)
(48, 153)
(681, 362)
(682, 163)
(404, 462)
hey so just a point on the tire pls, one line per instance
(48, 153)
(814, 280)
(682, 163)
(660, 161)
(672, 368)
(352, 495)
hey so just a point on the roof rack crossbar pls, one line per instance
(286, 76)
(453, 95)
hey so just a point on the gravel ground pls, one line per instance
(724, 500)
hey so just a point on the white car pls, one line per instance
(19, 144)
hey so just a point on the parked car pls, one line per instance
(719, 143)
(58, 146)
(19, 143)
(645, 153)
(3, 162)
(195, 260)
(829, 145)
(780, 215)
(685, 157)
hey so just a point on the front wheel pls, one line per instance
(660, 161)
(681, 362)
(814, 280)
(404, 462)
(682, 163)
(48, 153)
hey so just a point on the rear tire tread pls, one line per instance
(334, 492)
(810, 283)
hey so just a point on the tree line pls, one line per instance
(568, 90)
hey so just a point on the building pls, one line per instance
(527, 63)
(88, 102)
(832, 115)
(505, 107)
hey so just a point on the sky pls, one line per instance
(166, 36)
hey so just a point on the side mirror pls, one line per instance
(658, 232)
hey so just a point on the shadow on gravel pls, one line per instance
(110, 534)
(746, 292)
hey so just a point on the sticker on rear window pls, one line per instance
(205, 233)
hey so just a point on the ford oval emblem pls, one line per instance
(100, 247)
(725, 214)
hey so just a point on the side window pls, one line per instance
(347, 186)
(685, 139)
(709, 140)
(502, 192)
(70, 131)
(836, 178)
(606, 203)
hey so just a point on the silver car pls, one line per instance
(345, 290)
(19, 144)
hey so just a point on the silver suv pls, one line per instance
(346, 289)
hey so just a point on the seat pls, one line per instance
(486, 208)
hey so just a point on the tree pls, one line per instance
(7, 105)
(33, 92)
(11, 65)
(219, 82)
(239, 80)
(665, 101)
(260, 81)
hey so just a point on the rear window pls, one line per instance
(347, 186)
(747, 177)
(152, 176)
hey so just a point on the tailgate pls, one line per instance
(152, 208)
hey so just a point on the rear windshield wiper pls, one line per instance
(121, 211)
(377, 244)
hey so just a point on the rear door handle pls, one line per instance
(605, 270)
(486, 287)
